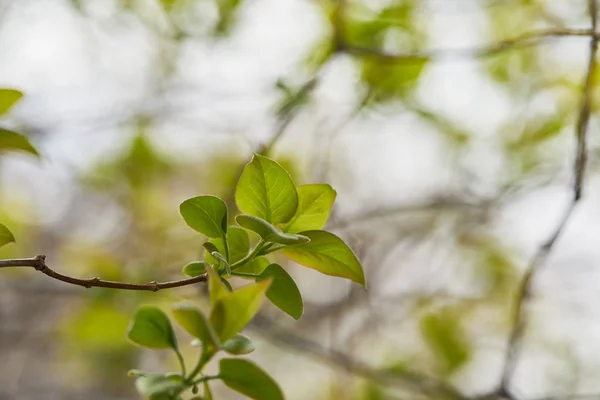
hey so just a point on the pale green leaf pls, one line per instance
(328, 254)
(195, 268)
(233, 311)
(196, 324)
(315, 202)
(267, 191)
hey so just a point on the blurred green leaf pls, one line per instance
(13, 141)
(196, 324)
(247, 378)
(151, 328)
(238, 242)
(227, 13)
(315, 202)
(159, 387)
(267, 231)
(267, 191)
(283, 292)
(238, 345)
(8, 98)
(233, 311)
(327, 254)
(195, 268)
(254, 267)
(389, 80)
(216, 289)
(205, 214)
(6, 236)
(444, 335)
(207, 392)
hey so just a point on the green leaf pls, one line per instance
(195, 323)
(13, 141)
(232, 312)
(6, 236)
(254, 267)
(195, 268)
(8, 98)
(443, 334)
(159, 387)
(205, 214)
(216, 289)
(151, 328)
(328, 254)
(238, 241)
(387, 81)
(267, 231)
(247, 378)
(207, 392)
(267, 191)
(283, 292)
(315, 202)
(238, 345)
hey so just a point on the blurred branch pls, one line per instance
(523, 40)
(39, 263)
(417, 382)
(540, 258)
(434, 205)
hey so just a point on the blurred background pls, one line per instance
(446, 126)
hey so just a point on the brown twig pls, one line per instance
(539, 260)
(39, 263)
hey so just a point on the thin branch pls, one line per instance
(39, 263)
(539, 260)
(404, 379)
(523, 40)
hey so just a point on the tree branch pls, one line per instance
(539, 260)
(39, 264)
(523, 40)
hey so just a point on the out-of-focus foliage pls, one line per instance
(442, 269)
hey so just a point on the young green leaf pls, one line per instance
(283, 292)
(247, 378)
(238, 345)
(159, 387)
(232, 312)
(205, 214)
(216, 289)
(13, 141)
(238, 242)
(267, 191)
(151, 328)
(267, 231)
(6, 236)
(8, 98)
(254, 267)
(195, 323)
(195, 268)
(315, 202)
(328, 254)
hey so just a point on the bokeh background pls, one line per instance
(448, 128)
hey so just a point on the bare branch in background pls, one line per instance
(539, 260)
(39, 263)
(402, 379)
(523, 40)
